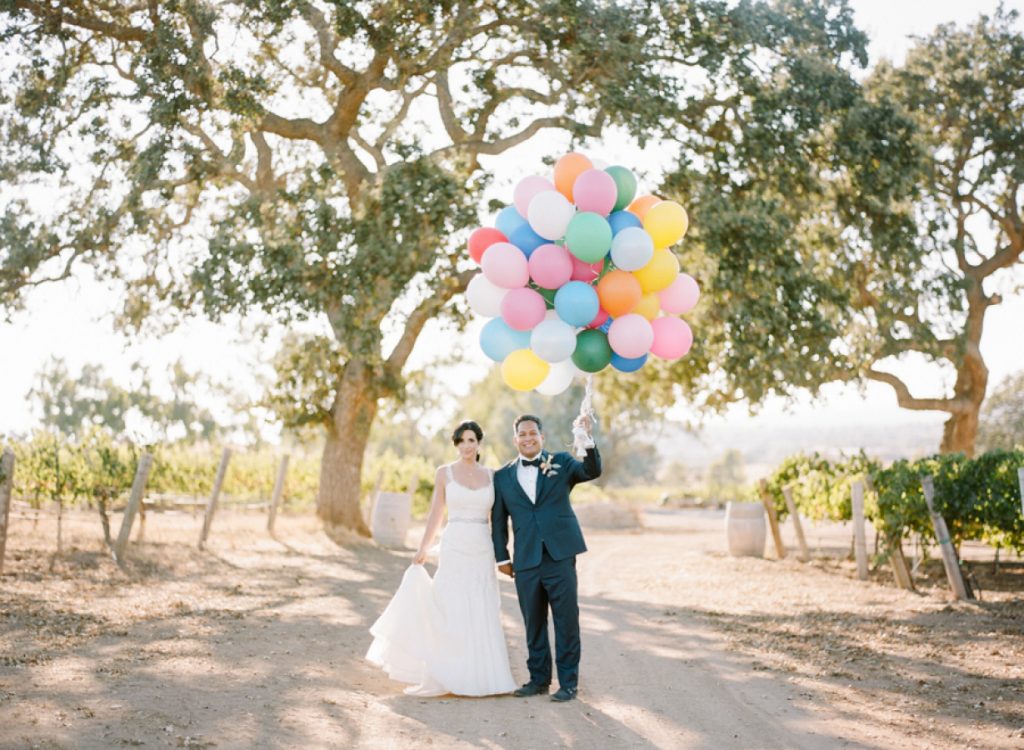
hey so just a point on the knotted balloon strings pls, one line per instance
(581, 439)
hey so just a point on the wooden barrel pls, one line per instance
(389, 522)
(745, 529)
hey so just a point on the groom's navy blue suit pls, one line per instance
(547, 538)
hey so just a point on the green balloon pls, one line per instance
(593, 352)
(548, 295)
(588, 237)
(625, 183)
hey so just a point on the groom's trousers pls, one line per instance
(551, 584)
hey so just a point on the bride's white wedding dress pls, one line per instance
(443, 635)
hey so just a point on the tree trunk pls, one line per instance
(341, 469)
(960, 432)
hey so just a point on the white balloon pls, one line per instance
(632, 249)
(553, 340)
(484, 297)
(549, 214)
(559, 378)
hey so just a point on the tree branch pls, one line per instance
(907, 401)
(419, 317)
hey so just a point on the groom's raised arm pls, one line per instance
(587, 469)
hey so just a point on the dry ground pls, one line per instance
(258, 642)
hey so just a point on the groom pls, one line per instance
(534, 491)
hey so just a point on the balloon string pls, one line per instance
(581, 437)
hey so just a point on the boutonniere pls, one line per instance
(547, 467)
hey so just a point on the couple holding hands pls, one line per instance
(443, 634)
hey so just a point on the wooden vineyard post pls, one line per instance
(6, 486)
(773, 520)
(860, 546)
(282, 471)
(211, 505)
(134, 501)
(801, 540)
(898, 562)
(1020, 481)
(949, 557)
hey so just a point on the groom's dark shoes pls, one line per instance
(564, 694)
(531, 688)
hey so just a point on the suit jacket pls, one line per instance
(550, 522)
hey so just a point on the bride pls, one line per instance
(443, 635)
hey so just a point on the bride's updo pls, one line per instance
(469, 424)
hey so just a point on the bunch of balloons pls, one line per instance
(578, 275)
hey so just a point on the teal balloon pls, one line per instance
(589, 236)
(593, 352)
(498, 339)
(625, 184)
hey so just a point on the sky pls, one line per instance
(73, 319)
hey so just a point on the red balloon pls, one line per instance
(483, 238)
(599, 319)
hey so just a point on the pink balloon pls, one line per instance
(523, 308)
(505, 265)
(587, 272)
(672, 338)
(681, 295)
(526, 189)
(595, 190)
(631, 336)
(599, 319)
(550, 266)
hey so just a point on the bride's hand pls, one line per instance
(421, 557)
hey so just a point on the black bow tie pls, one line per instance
(530, 462)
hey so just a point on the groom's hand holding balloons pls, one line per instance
(506, 568)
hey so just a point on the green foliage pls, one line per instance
(978, 498)
(839, 222)
(1002, 418)
(821, 488)
(77, 405)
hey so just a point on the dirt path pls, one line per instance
(258, 643)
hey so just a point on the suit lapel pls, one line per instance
(542, 480)
(513, 482)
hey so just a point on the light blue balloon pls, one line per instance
(508, 221)
(632, 248)
(622, 219)
(498, 339)
(526, 239)
(622, 364)
(577, 303)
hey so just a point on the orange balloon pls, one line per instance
(619, 292)
(640, 206)
(649, 306)
(567, 169)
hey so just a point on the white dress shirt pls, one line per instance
(527, 476)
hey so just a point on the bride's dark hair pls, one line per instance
(469, 424)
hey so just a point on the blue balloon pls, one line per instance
(498, 339)
(526, 239)
(606, 325)
(577, 303)
(628, 365)
(509, 220)
(620, 220)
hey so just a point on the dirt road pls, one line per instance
(259, 643)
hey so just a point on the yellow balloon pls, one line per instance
(523, 370)
(659, 273)
(666, 222)
(649, 306)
